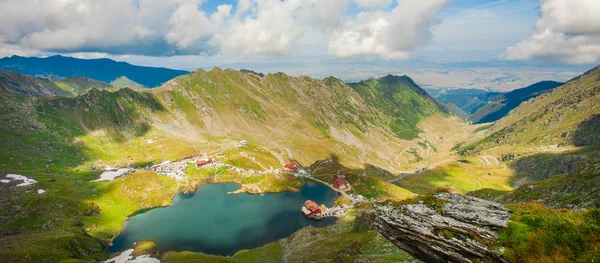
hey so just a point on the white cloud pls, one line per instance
(269, 29)
(567, 31)
(373, 3)
(189, 24)
(388, 34)
(77, 25)
(181, 27)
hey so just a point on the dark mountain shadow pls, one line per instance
(572, 180)
(542, 166)
(565, 180)
(587, 132)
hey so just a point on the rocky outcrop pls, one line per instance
(445, 227)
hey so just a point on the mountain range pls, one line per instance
(500, 105)
(105, 70)
(467, 100)
(481, 106)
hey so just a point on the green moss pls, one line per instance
(540, 234)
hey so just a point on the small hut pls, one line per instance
(341, 183)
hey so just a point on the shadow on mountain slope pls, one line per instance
(587, 132)
(565, 180)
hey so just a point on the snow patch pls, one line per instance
(17, 177)
(113, 174)
(126, 257)
(122, 258)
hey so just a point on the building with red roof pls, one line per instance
(291, 167)
(311, 207)
(341, 183)
(203, 162)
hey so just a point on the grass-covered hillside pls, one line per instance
(298, 118)
(398, 102)
(551, 145)
(43, 87)
(565, 116)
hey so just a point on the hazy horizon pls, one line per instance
(484, 44)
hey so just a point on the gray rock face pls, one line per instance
(457, 228)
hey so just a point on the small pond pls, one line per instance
(214, 222)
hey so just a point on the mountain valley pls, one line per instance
(387, 137)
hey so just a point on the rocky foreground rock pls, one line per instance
(445, 227)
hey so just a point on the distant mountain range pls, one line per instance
(481, 106)
(504, 103)
(105, 70)
(467, 100)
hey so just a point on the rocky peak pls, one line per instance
(445, 227)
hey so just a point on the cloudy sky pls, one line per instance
(497, 44)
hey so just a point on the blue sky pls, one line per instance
(494, 44)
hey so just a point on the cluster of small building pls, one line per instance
(177, 168)
(312, 209)
(296, 171)
(173, 169)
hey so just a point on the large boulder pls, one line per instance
(445, 228)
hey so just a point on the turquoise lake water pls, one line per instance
(213, 222)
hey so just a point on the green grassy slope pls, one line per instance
(399, 102)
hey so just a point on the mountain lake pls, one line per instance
(214, 222)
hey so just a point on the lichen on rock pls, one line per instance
(461, 229)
